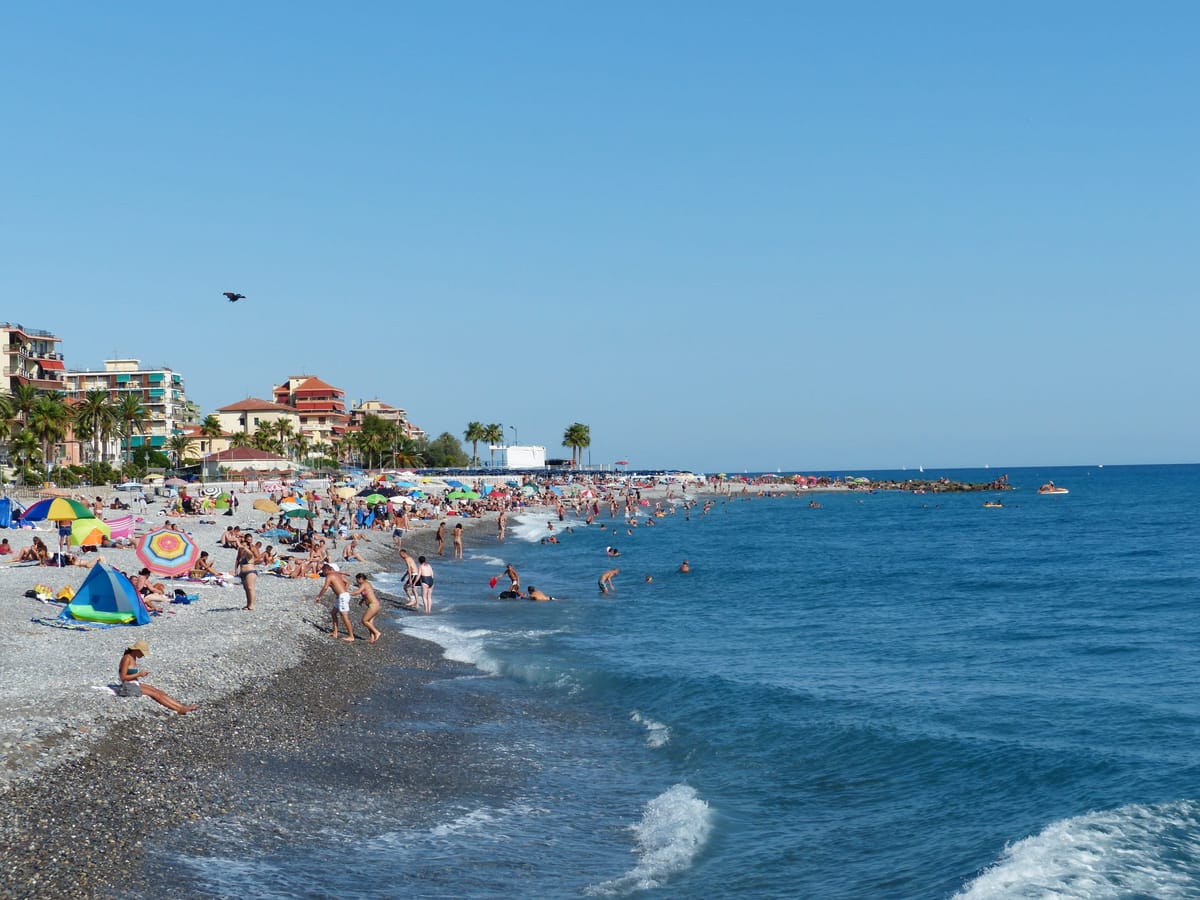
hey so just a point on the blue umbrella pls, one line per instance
(453, 483)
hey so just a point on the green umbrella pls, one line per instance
(299, 514)
(372, 499)
(463, 495)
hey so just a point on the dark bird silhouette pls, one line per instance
(234, 298)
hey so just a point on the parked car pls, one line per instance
(129, 486)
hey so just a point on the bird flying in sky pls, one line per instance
(234, 298)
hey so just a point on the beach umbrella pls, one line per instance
(455, 483)
(528, 489)
(167, 552)
(511, 483)
(621, 462)
(89, 532)
(372, 499)
(345, 493)
(56, 509)
(299, 513)
(210, 491)
(174, 482)
(267, 506)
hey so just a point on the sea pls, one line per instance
(889, 694)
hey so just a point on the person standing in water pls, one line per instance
(425, 577)
(606, 585)
(458, 540)
(441, 538)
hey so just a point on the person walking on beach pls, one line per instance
(441, 538)
(366, 594)
(335, 583)
(606, 585)
(130, 675)
(425, 578)
(458, 545)
(501, 524)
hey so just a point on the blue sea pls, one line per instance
(894, 695)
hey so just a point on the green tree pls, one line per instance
(180, 446)
(23, 448)
(48, 422)
(133, 418)
(474, 434)
(493, 434)
(240, 439)
(577, 437)
(446, 452)
(96, 418)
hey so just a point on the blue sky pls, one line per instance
(725, 236)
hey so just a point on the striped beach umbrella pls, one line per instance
(167, 552)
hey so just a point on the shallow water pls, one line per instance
(893, 695)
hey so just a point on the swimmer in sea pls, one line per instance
(539, 596)
(684, 567)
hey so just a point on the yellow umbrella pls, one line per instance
(345, 492)
(266, 506)
(89, 532)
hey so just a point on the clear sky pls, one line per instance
(726, 236)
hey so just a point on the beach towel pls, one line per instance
(120, 528)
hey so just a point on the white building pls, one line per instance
(511, 456)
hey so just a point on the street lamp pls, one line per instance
(516, 438)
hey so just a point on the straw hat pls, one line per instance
(140, 646)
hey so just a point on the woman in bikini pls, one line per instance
(367, 594)
(247, 570)
(131, 685)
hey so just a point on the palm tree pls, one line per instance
(474, 434)
(132, 416)
(48, 422)
(240, 439)
(301, 447)
(95, 416)
(406, 455)
(577, 436)
(180, 446)
(24, 396)
(24, 449)
(6, 414)
(283, 430)
(210, 429)
(493, 434)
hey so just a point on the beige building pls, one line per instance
(247, 415)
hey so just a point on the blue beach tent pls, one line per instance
(107, 596)
(6, 516)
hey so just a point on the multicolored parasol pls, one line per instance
(167, 552)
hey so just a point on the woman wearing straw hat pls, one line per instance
(130, 675)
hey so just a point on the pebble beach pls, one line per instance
(86, 776)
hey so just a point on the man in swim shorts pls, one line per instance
(335, 583)
(606, 585)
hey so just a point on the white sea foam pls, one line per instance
(675, 827)
(486, 559)
(459, 644)
(532, 527)
(1136, 850)
(657, 734)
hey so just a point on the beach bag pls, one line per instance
(66, 592)
(43, 592)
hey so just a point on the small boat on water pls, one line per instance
(1050, 488)
(993, 504)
